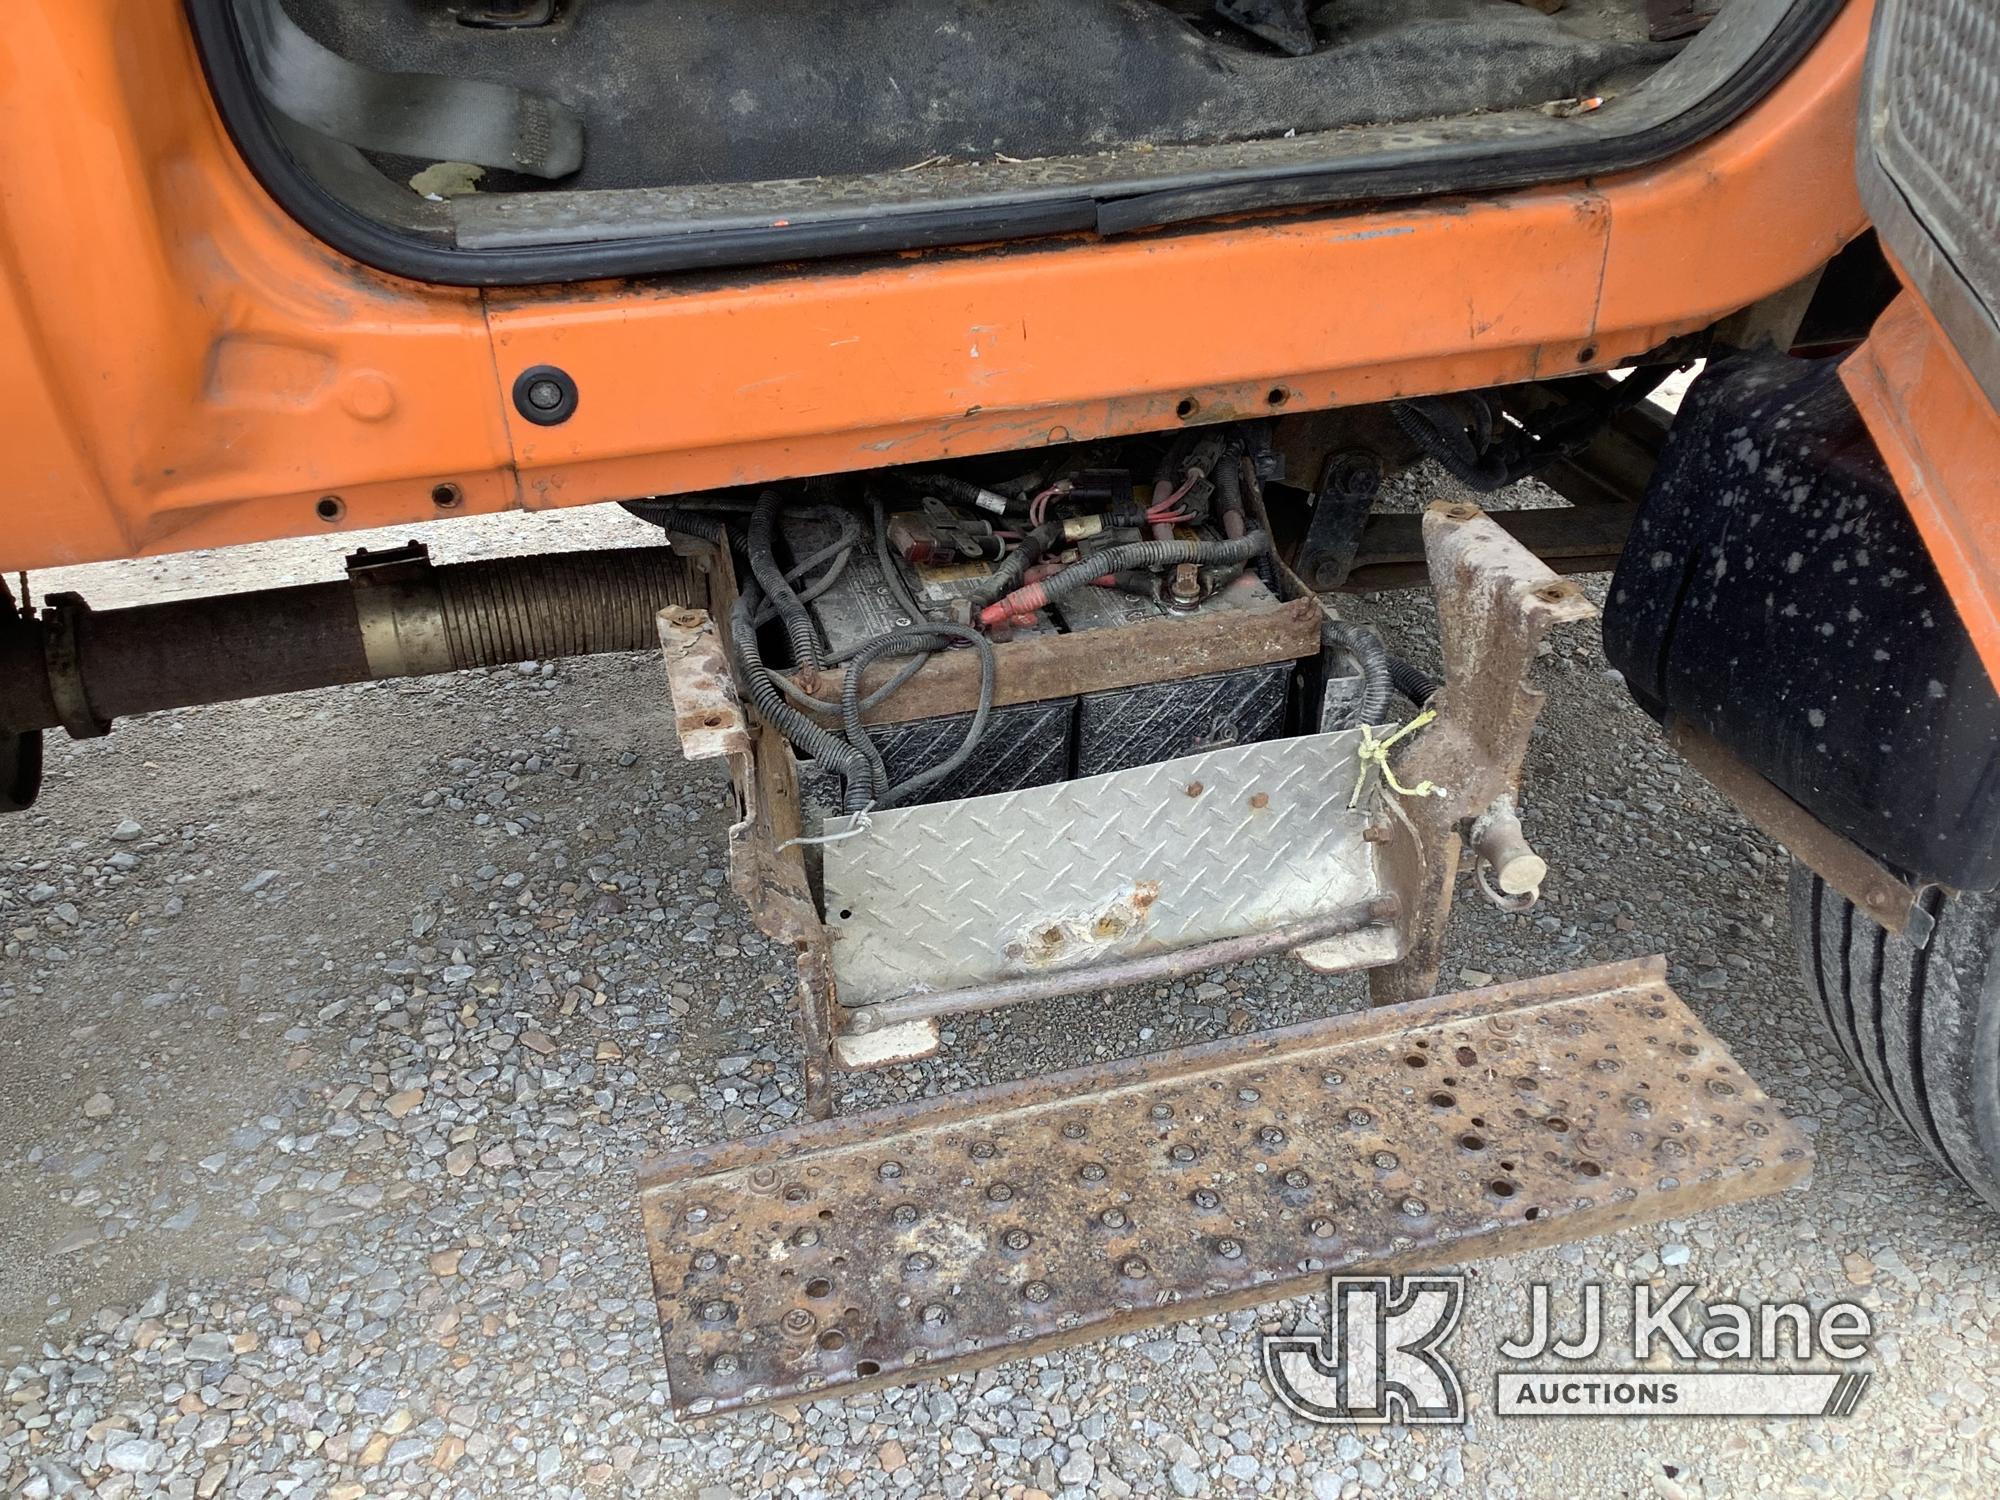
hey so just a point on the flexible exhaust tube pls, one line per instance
(394, 616)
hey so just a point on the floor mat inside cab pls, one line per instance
(754, 90)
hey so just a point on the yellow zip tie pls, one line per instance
(1372, 751)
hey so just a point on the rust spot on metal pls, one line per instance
(707, 717)
(768, 876)
(1071, 978)
(1260, 800)
(1042, 948)
(1072, 940)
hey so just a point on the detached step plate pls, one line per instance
(988, 1225)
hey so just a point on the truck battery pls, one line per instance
(1025, 744)
(1138, 726)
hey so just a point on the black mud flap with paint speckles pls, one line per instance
(983, 1226)
(1776, 592)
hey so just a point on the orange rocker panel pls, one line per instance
(184, 366)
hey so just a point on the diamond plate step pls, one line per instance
(1157, 857)
(987, 1225)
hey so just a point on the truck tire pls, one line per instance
(1921, 1026)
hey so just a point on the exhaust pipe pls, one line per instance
(395, 615)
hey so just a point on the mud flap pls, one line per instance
(957, 1232)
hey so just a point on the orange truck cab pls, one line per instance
(1013, 384)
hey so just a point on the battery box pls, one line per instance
(1155, 721)
(1025, 744)
(1034, 744)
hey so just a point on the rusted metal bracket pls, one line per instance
(1890, 901)
(1495, 601)
(1061, 666)
(708, 718)
(958, 1231)
(766, 868)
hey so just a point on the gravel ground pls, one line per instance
(335, 1026)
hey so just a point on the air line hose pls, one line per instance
(855, 758)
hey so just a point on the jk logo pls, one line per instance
(1378, 1360)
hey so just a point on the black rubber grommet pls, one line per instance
(545, 395)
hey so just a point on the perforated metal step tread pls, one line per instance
(982, 1226)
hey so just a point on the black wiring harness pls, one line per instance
(772, 592)
(1197, 480)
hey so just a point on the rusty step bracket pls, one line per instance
(957, 1232)
(1496, 601)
